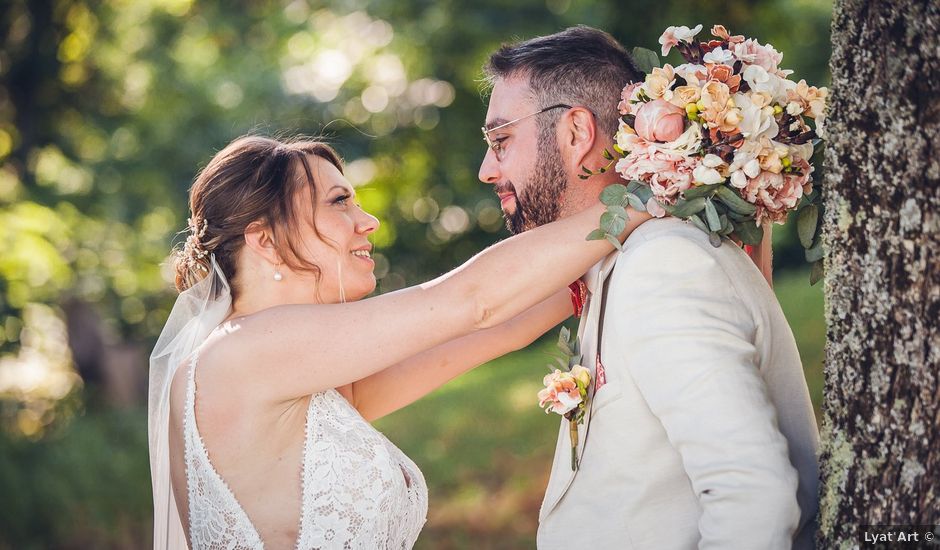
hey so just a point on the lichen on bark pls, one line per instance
(880, 454)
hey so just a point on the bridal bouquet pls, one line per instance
(724, 140)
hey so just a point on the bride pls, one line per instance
(272, 365)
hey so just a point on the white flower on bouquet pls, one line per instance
(720, 56)
(707, 172)
(685, 145)
(756, 121)
(694, 74)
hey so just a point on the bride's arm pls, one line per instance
(290, 351)
(407, 381)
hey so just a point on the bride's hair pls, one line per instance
(254, 179)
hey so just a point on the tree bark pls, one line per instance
(881, 411)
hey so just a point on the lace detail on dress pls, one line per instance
(216, 519)
(359, 490)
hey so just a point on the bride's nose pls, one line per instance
(366, 223)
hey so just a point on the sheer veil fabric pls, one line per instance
(197, 311)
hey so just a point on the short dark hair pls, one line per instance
(578, 66)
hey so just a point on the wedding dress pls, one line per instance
(359, 489)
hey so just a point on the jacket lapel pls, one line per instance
(562, 475)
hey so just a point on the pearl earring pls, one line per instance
(277, 273)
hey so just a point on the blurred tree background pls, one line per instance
(107, 110)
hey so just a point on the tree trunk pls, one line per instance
(881, 411)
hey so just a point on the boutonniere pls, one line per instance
(565, 391)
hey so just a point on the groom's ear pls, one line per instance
(578, 134)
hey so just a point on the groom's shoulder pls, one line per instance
(672, 249)
(667, 238)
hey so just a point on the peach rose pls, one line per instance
(561, 394)
(658, 84)
(683, 95)
(659, 121)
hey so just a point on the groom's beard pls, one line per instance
(540, 201)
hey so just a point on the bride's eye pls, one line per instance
(342, 199)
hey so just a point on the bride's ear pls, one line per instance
(580, 133)
(260, 239)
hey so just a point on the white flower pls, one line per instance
(756, 122)
(684, 145)
(720, 56)
(752, 168)
(707, 176)
(566, 403)
(761, 81)
(712, 161)
(739, 179)
(794, 108)
(804, 151)
(691, 72)
(685, 34)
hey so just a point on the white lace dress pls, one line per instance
(359, 490)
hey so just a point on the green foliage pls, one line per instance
(109, 108)
(646, 60)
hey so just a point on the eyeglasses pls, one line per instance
(496, 146)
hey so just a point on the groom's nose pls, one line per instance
(489, 168)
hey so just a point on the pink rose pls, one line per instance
(774, 195)
(659, 121)
(627, 96)
(667, 175)
(753, 52)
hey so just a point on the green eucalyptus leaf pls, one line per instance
(697, 222)
(644, 193)
(613, 194)
(615, 241)
(734, 201)
(817, 273)
(701, 191)
(726, 226)
(564, 335)
(596, 235)
(586, 170)
(633, 185)
(711, 216)
(714, 239)
(646, 60)
(815, 253)
(636, 203)
(619, 211)
(607, 218)
(806, 222)
(685, 208)
(750, 234)
(617, 225)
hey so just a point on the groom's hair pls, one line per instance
(577, 66)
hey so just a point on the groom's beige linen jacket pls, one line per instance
(703, 435)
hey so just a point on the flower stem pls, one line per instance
(573, 431)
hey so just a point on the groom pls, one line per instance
(699, 430)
